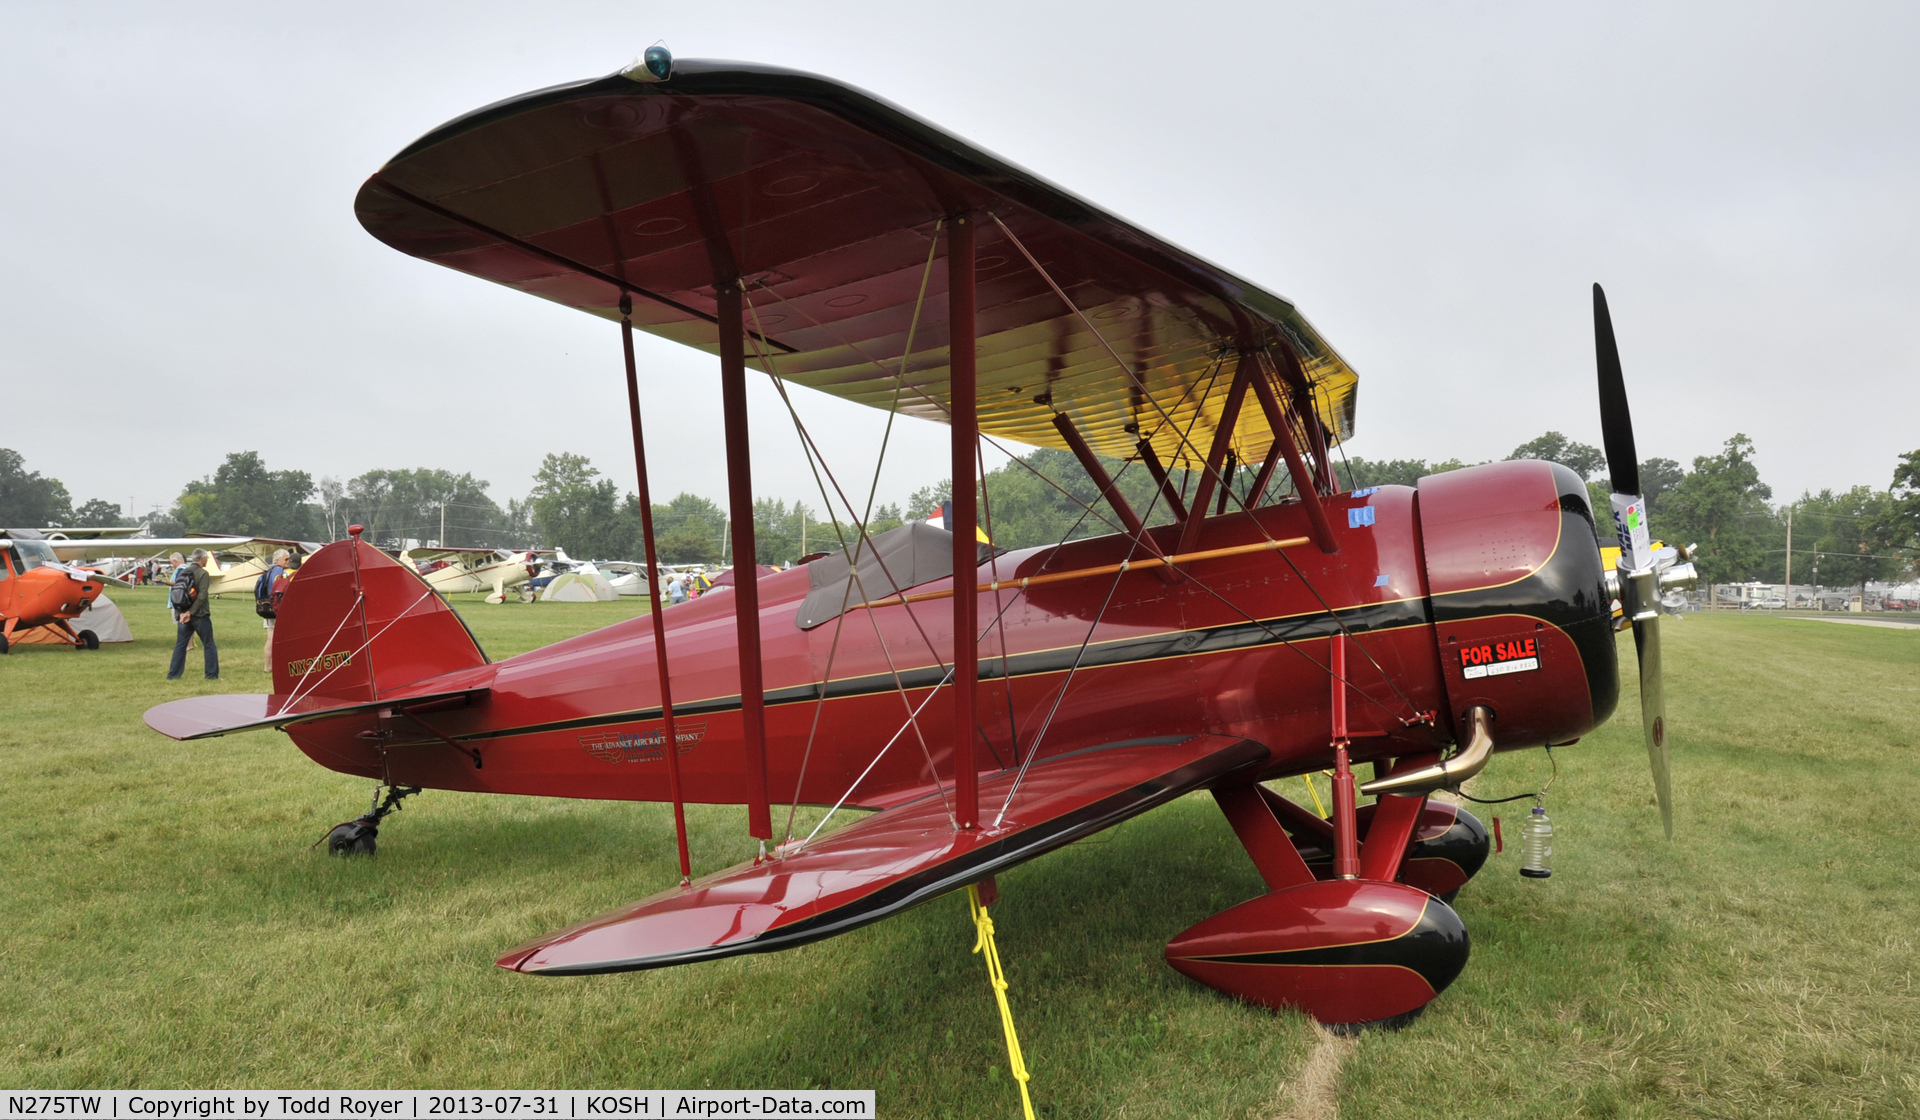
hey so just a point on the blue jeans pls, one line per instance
(203, 626)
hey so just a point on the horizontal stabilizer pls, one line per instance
(203, 717)
(890, 861)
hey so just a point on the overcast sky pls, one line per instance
(1435, 186)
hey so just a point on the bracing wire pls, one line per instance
(864, 520)
(816, 462)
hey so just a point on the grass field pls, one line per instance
(167, 925)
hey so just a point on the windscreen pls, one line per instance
(32, 554)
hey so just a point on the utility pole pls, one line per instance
(803, 530)
(1789, 556)
(443, 526)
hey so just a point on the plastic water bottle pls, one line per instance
(1536, 844)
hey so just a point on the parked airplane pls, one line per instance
(989, 706)
(455, 571)
(37, 589)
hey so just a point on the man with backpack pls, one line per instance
(192, 610)
(266, 598)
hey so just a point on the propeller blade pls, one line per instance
(1653, 715)
(1640, 579)
(1616, 424)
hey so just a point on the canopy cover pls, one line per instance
(826, 203)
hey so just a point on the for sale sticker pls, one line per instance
(1498, 658)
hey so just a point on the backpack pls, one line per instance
(264, 600)
(180, 598)
(261, 605)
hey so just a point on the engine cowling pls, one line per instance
(1521, 613)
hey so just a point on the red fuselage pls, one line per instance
(1481, 587)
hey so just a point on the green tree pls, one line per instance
(577, 511)
(1839, 534)
(1897, 528)
(244, 498)
(925, 502)
(99, 514)
(1362, 473)
(29, 500)
(687, 530)
(415, 504)
(1657, 476)
(1722, 506)
(1583, 459)
(783, 534)
(884, 517)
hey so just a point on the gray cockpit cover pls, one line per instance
(912, 554)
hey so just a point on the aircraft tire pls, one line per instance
(351, 839)
(88, 640)
(3, 643)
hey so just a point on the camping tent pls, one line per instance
(579, 587)
(103, 618)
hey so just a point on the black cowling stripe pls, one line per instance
(1436, 948)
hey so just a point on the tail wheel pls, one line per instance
(355, 838)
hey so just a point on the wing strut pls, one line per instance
(1159, 473)
(1265, 475)
(670, 738)
(746, 590)
(1090, 463)
(966, 552)
(1303, 482)
(1222, 439)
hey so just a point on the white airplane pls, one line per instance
(625, 576)
(453, 571)
(234, 564)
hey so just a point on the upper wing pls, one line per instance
(468, 556)
(894, 859)
(823, 199)
(71, 550)
(261, 548)
(91, 533)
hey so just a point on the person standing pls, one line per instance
(267, 591)
(677, 590)
(195, 618)
(176, 563)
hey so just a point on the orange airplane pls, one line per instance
(36, 589)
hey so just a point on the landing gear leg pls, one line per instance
(1354, 951)
(356, 837)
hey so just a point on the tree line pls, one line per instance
(1839, 538)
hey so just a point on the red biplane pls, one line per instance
(990, 705)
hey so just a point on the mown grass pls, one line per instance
(167, 925)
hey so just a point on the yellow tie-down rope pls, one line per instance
(984, 945)
(1314, 792)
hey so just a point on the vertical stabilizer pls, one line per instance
(410, 634)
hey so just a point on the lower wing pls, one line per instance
(890, 861)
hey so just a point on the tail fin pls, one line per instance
(355, 624)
